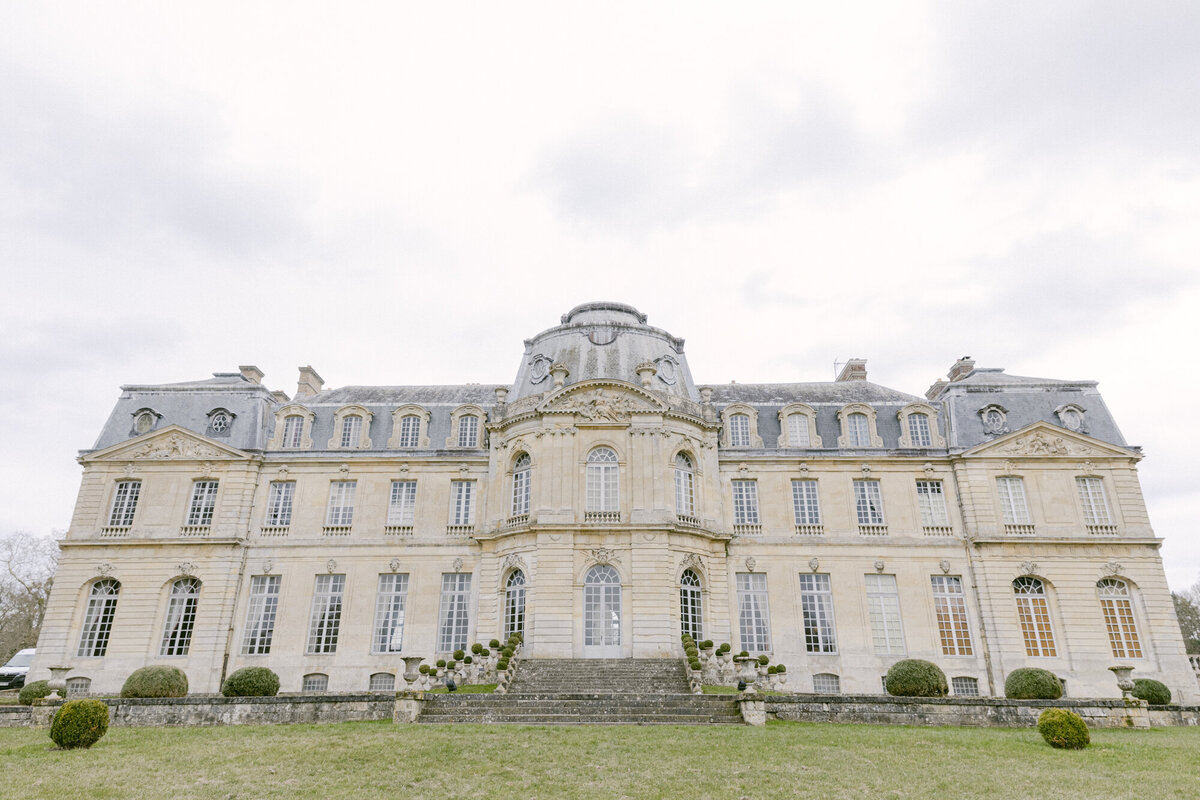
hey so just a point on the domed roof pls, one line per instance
(604, 340)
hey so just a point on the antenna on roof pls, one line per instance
(837, 367)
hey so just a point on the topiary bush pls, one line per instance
(764, 659)
(33, 691)
(458, 654)
(771, 670)
(1153, 692)
(79, 723)
(502, 665)
(451, 664)
(694, 664)
(744, 654)
(155, 681)
(251, 682)
(485, 652)
(1031, 683)
(424, 669)
(494, 644)
(1063, 729)
(781, 668)
(441, 663)
(707, 644)
(468, 660)
(477, 648)
(724, 648)
(913, 677)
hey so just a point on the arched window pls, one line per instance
(315, 682)
(798, 434)
(739, 430)
(1117, 606)
(382, 682)
(691, 605)
(602, 612)
(521, 485)
(78, 687)
(410, 430)
(918, 430)
(181, 617)
(468, 431)
(685, 493)
(351, 430)
(293, 427)
(858, 432)
(514, 604)
(602, 480)
(98, 619)
(1034, 614)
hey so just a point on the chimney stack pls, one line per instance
(309, 384)
(961, 369)
(251, 373)
(855, 370)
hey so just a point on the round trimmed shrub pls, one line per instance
(707, 644)
(33, 691)
(771, 670)
(494, 644)
(155, 681)
(507, 653)
(913, 677)
(744, 654)
(484, 653)
(502, 665)
(441, 663)
(1063, 729)
(764, 660)
(79, 723)
(424, 669)
(468, 660)
(724, 648)
(685, 637)
(458, 654)
(1032, 683)
(451, 664)
(251, 682)
(780, 668)
(477, 648)
(1153, 692)
(694, 664)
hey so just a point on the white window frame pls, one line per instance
(931, 503)
(806, 501)
(124, 503)
(883, 611)
(854, 437)
(181, 617)
(754, 613)
(1093, 500)
(951, 615)
(282, 437)
(410, 428)
(1014, 502)
(203, 504)
(827, 683)
(751, 438)
(521, 484)
(381, 682)
(816, 609)
(410, 433)
(261, 612)
(98, 618)
(460, 434)
(926, 434)
(462, 503)
(739, 430)
(351, 431)
(685, 485)
(390, 601)
(339, 513)
(1116, 607)
(745, 502)
(315, 682)
(325, 619)
(798, 427)
(691, 605)
(515, 590)
(868, 502)
(468, 431)
(402, 504)
(349, 435)
(293, 431)
(454, 612)
(280, 504)
(603, 479)
(965, 686)
(1033, 615)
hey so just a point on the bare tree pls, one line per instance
(26, 571)
(1187, 609)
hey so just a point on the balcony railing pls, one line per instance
(273, 530)
(398, 530)
(194, 530)
(1018, 530)
(602, 517)
(872, 530)
(809, 529)
(1102, 530)
(687, 520)
(460, 530)
(336, 530)
(516, 521)
(747, 529)
(114, 532)
(938, 530)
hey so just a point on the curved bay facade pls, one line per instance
(602, 504)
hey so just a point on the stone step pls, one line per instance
(569, 720)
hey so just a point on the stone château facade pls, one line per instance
(601, 504)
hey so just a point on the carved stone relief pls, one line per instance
(176, 446)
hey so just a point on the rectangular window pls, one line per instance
(868, 503)
(351, 428)
(827, 683)
(402, 503)
(858, 431)
(965, 687)
(279, 504)
(754, 621)
(462, 509)
(739, 430)
(816, 606)
(931, 502)
(1013, 507)
(918, 430)
(1095, 504)
(204, 500)
(293, 427)
(798, 431)
(326, 615)
(950, 607)
(453, 616)
(1118, 619)
(389, 614)
(883, 608)
(124, 504)
(520, 491)
(341, 504)
(260, 615)
(745, 502)
(685, 496)
(468, 431)
(410, 431)
(805, 503)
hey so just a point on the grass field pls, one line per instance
(782, 760)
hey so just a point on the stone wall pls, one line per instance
(14, 716)
(218, 710)
(974, 712)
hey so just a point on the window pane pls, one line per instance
(462, 511)
(341, 503)
(950, 607)
(745, 502)
(858, 432)
(260, 614)
(351, 429)
(798, 435)
(1013, 507)
(691, 606)
(453, 614)
(124, 503)
(98, 619)
(1034, 615)
(389, 613)
(883, 609)
(326, 617)
(932, 504)
(402, 503)
(1095, 504)
(918, 430)
(410, 430)
(805, 504)
(514, 604)
(816, 607)
(753, 619)
(293, 427)
(868, 503)
(739, 430)
(204, 500)
(279, 504)
(468, 430)
(1117, 608)
(181, 617)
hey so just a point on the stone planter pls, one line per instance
(411, 666)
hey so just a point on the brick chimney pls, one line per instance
(309, 384)
(855, 370)
(251, 373)
(961, 369)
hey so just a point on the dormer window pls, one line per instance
(220, 420)
(1071, 417)
(739, 430)
(918, 426)
(145, 420)
(351, 429)
(410, 428)
(798, 426)
(292, 427)
(468, 431)
(466, 424)
(995, 419)
(857, 433)
(858, 426)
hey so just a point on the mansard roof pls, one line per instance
(483, 394)
(840, 392)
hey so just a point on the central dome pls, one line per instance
(604, 340)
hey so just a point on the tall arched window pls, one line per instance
(739, 430)
(520, 485)
(1034, 614)
(1117, 605)
(98, 619)
(514, 604)
(351, 430)
(181, 617)
(602, 612)
(468, 431)
(602, 480)
(691, 605)
(858, 432)
(685, 492)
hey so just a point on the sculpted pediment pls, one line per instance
(602, 401)
(1043, 439)
(170, 443)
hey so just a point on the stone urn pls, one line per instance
(58, 682)
(1124, 679)
(745, 668)
(411, 666)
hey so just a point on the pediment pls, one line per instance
(170, 443)
(602, 401)
(1044, 439)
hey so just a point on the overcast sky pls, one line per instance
(401, 193)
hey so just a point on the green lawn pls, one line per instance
(782, 760)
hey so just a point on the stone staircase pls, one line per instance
(652, 691)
